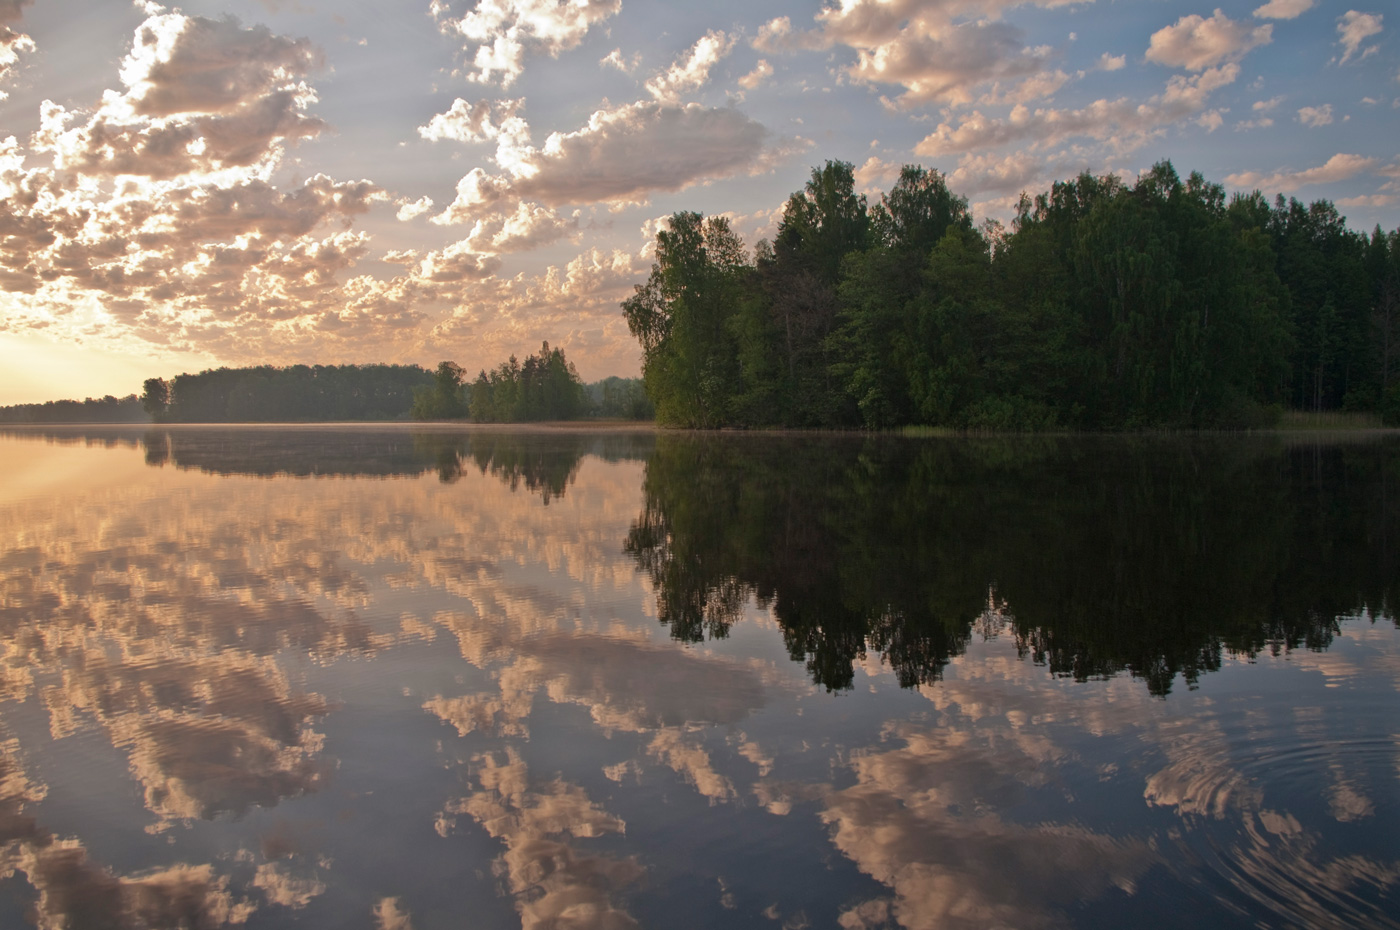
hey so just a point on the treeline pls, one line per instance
(545, 386)
(107, 409)
(1104, 306)
(298, 393)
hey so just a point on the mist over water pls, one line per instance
(384, 677)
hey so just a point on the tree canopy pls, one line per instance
(1106, 305)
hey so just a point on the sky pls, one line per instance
(244, 182)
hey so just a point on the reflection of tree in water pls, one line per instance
(1154, 556)
(543, 463)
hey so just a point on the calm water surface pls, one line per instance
(383, 678)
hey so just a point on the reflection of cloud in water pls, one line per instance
(280, 886)
(555, 885)
(691, 761)
(923, 819)
(75, 891)
(627, 682)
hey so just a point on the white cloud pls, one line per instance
(201, 95)
(1339, 167)
(1210, 121)
(1370, 200)
(11, 42)
(760, 73)
(1124, 124)
(692, 70)
(992, 174)
(1266, 106)
(412, 209)
(1261, 123)
(471, 122)
(1284, 9)
(937, 52)
(1316, 116)
(1195, 43)
(1109, 62)
(622, 154)
(504, 30)
(614, 59)
(1355, 28)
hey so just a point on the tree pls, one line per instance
(155, 397)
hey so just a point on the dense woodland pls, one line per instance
(298, 393)
(107, 409)
(543, 387)
(1104, 305)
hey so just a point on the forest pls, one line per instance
(545, 386)
(297, 393)
(1102, 306)
(107, 409)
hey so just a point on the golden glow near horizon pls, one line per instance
(242, 182)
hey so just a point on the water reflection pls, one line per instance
(232, 695)
(1151, 556)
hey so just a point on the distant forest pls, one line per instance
(107, 409)
(544, 387)
(1102, 306)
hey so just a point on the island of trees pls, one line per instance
(1104, 305)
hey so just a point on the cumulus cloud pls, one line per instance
(1316, 116)
(11, 42)
(938, 53)
(200, 95)
(691, 70)
(1009, 174)
(622, 154)
(1195, 43)
(504, 30)
(471, 122)
(1109, 62)
(760, 73)
(1123, 123)
(614, 59)
(1284, 9)
(1355, 28)
(1339, 167)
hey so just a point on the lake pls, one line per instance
(393, 678)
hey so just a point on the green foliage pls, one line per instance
(543, 387)
(299, 393)
(442, 400)
(1106, 306)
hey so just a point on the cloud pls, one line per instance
(614, 59)
(1284, 9)
(504, 30)
(1370, 200)
(1265, 106)
(938, 53)
(12, 42)
(200, 95)
(622, 154)
(1109, 62)
(691, 70)
(471, 122)
(1316, 116)
(1355, 28)
(760, 73)
(1339, 167)
(1123, 123)
(1009, 174)
(1195, 43)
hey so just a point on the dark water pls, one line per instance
(395, 679)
